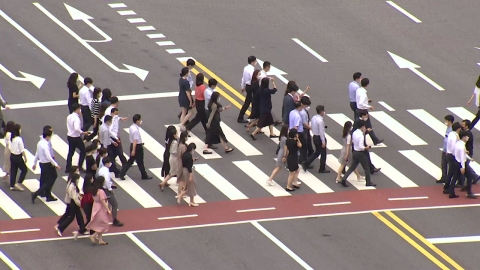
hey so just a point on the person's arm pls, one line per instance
(322, 133)
(35, 160)
(21, 146)
(212, 113)
(299, 144)
(471, 98)
(285, 153)
(49, 156)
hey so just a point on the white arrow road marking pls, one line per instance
(77, 15)
(404, 63)
(37, 81)
(142, 74)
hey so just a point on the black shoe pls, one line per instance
(439, 181)
(375, 170)
(117, 223)
(242, 121)
(304, 167)
(379, 142)
(52, 199)
(33, 196)
(453, 196)
(323, 171)
(146, 177)
(343, 183)
(476, 180)
(121, 177)
(371, 184)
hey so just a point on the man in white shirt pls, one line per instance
(358, 155)
(107, 142)
(246, 87)
(114, 131)
(108, 188)
(52, 153)
(461, 166)
(363, 104)
(85, 99)
(320, 141)
(352, 92)
(476, 95)
(74, 133)
(452, 139)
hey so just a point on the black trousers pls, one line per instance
(17, 163)
(113, 154)
(475, 120)
(310, 150)
(48, 173)
(303, 151)
(139, 154)
(72, 212)
(452, 175)
(368, 124)
(94, 133)
(73, 144)
(87, 209)
(200, 117)
(353, 106)
(444, 166)
(248, 101)
(87, 117)
(359, 157)
(319, 151)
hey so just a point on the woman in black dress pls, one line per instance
(266, 118)
(215, 131)
(169, 168)
(72, 91)
(290, 155)
(185, 100)
(255, 87)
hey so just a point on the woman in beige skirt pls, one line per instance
(187, 174)
(182, 147)
(8, 136)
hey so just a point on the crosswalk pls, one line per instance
(234, 175)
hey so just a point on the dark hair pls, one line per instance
(87, 186)
(449, 118)
(96, 142)
(47, 127)
(266, 64)
(467, 123)
(360, 124)
(170, 136)
(478, 82)
(87, 81)
(73, 179)
(136, 117)
(291, 87)
(113, 110)
(97, 184)
(9, 127)
(106, 95)
(90, 148)
(292, 133)
(305, 101)
(16, 131)
(320, 108)
(357, 76)
(283, 131)
(190, 62)
(346, 128)
(114, 100)
(96, 92)
(199, 79)
(101, 152)
(456, 126)
(190, 147)
(108, 118)
(265, 83)
(364, 82)
(183, 137)
(298, 105)
(251, 59)
(75, 107)
(463, 133)
(72, 80)
(254, 75)
(47, 133)
(184, 71)
(213, 99)
(106, 160)
(212, 82)
(362, 112)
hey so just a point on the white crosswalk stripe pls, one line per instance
(136, 192)
(239, 142)
(58, 206)
(430, 121)
(423, 163)
(341, 118)
(397, 128)
(464, 114)
(199, 143)
(11, 208)
(173, 186)
(333, 163)
(391, 172)
(219, 182)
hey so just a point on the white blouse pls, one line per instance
(16, 146)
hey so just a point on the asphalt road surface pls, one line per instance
(421, 59)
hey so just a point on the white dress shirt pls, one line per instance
(247, 75)
(460, 153)
(105, 172)
(358, 139)
(104, 135)
(43, 153)
(263, 74)
(108, 111)
(362, 99)
(451, 141)
(74, 125)
(207, 95)
(86, 95)
(16, 146)
(134, 132)
(352, 91)
(318, 127)
(114, 127)
(476, 92)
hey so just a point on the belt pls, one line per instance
(138, 143)
(83, 105)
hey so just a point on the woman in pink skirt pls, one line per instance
(100, 219)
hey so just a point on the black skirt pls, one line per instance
(265, 120)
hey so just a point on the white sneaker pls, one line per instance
(270, 183)
(19, 187)
(58, 232)
(362, 178)
(75, 235)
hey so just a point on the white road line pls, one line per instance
(341, 118)
(463, 114)
(430, 81)
(386, 106)
(184, 60)
(126, 12)
(219, 182)
(391, 172)
(136, 192)
(256, 210)
(149, 252)
(117, 5)
(333, 203)
(404, 12)
(175, 51)
(422, 162)
(8, 262)
(430, 121)
(332, 144)
(61, 147)
(281, 245)
(136, 20)
(239, 142)
(258, 176)
(200, 145)
(454, 240)
(156, 35)
(11, 208)
(310, 50)
(30, 158)
(58, 206)
(19, 231)
(151, 144)
(408, 198)
(146, 28)
(173, 186)
(165, 43)
(177, 217)
(333, 163)
(397, 128)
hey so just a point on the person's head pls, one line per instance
(363, 114)
(212, 83)
(76, 108)
(137, 119)
(463, 135)
(184, 72)
(106, 95)
(97, 184)
(293, 133)
(252, 60)
(320, 110)
(90, 149)
(114, 101)
(114, 112)
(456, 127)
(255, 75)
(102, 152)
(9, 126)
(183, 137)
(17, 129)
(305, 101)
(107, 162)
(191, 148)
(171, 134)
(291, 88)
(266, 66)
(87, 183)
(97, 92)
(213, 99)
(47, 127)
(284, 131)
(47, 134)
(477, 84)
(87, 82)
(73, 170)
(365, 82)
(264, 83)
(108, 120)
(361, 125)
(357, 76)
(73, 178)
(199, 79)
(96, 143)
(190, 63)
(72, 80)
(298, 106)
(466, 124)
(346, 128)
(449, 120)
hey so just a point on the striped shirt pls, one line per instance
(95, 107)
(16, 146)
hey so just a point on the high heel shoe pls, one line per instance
(93, 239)
(103, 243)
(193, 204)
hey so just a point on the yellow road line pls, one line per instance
(423, 240)
(213, 75)
(410, 241)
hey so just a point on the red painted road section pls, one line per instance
(226, 211)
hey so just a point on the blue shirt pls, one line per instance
(352, 91)
(449, 129)
(295, 120)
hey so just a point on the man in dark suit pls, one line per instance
(288, 102)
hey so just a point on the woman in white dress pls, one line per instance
(345, 155)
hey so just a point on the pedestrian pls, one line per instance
(363, 104)
(352, 92)
(8, 136)
(182, 147)
(18, 158)
(114, 128)
(215, 132)
(290, 156)
(99, 221)
(136, 149)
(3, 104)
(345, 154)
(190, 189)
(364, 116)
(452, 174)
(469, 147)
(212, 85)
(295, 119)
(74, 199)
(85, 98)
(185, 99)
(255, 113)
(476, 93)
(266, 118)
(279, 164)
(109, 187)
(105, 137)
(72, 91)
(247, 87)
(263, 73)
(95, 109)
(444, 163)
(106, 97)
(170, 156)
(73, 170)
(86, 202)
(190, 65)
(461, 167)
(74, 133)
(320, 141)
(101, 154)
(288, 103)
(201, 115)
(48, 167)
(52, 153)
(90, 160)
